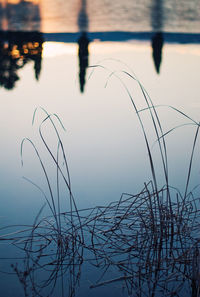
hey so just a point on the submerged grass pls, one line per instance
(151, 239)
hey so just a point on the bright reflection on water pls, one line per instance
(103, 140)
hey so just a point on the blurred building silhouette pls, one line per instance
(20, 40)
(16, 50)
(22, 15)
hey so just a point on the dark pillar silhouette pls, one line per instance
(157, 45)
(83, 53)
(37, 66)
(157, 38)
(83, 43)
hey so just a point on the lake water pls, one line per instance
(104, 142)
(101, 15)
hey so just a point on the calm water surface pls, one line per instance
(104, 144)
(98, 15)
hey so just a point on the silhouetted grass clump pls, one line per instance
(151, 239)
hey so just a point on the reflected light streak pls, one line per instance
(53, 49)
(141, 46)
(184, 49)
(114, 47)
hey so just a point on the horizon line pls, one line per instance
(115, 36)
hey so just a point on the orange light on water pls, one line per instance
(30, 45)
(15, 53)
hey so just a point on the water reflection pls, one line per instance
(142, 242)
(147, 242)
(20, 15)
(83, 43)
(157, 38)
(83, 53)
(25, 15)
(157, 45)
(16, 50)
(17, 47)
